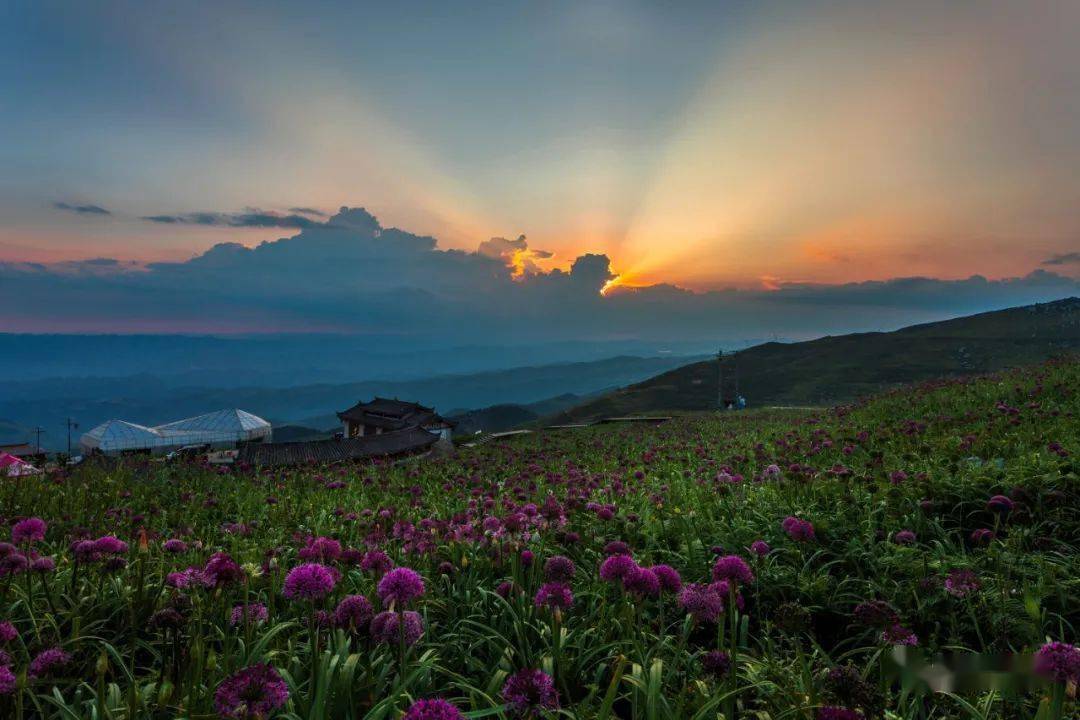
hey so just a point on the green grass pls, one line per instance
(677, 492)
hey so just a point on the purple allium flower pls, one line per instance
(835, 712)
(760, 548)
(725, 589)
(982, 536)
(8, 633)
(527, 691)
(322, 549)
(252, 693)
(174, 545)
(668, 577)
(310, 581)
(353, 612)
(616, 567)
(897, 634)
(1058, 662)
(384, 627)
(701, 602)
(716, 662)
(554, 595)
(110, 545)
(961, 583)
(527, 557)
(13, 564)
(7, 680)
(44, 564)
(221, 570)
(114, 563)
(192, 577)
(904, 537)
(400, 586)
(48, 662)
(167, 618)
(28, 531)
(876, 613)
(376, 561)
(771, 472)
(734, 568)
(798, 529)
(504, 589)
(256, 613)
(436, 709)
(1000, 504)
(85, 551)
(559, 569)
(616, 547)
(642, 582)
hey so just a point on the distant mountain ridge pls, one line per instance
(835, 369)
(144, 399)
(496, 418)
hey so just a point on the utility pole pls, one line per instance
(70, 425)
(720, 379)
(37, 431)
(736, 357)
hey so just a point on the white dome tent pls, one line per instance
(223, 428)
(118, 436)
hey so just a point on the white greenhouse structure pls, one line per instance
(224, 428)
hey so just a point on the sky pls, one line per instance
(863, 163)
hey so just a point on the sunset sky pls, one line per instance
(706, 145)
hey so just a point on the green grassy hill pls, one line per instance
(835, 369)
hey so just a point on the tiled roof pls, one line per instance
(392, 414)
(19, 449)
(401, 442)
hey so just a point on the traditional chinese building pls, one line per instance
(383, 416)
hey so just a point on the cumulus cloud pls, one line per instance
(353, 275)
(515, 254)
(1069, 258)
(82, 209)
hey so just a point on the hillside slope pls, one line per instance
(835, 369)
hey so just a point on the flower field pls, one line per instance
(765, 564)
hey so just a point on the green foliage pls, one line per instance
(924, 459)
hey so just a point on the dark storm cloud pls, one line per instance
(82, 209)
(352, 274)
(308, 211)
(256, 219)
(1069, 258)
